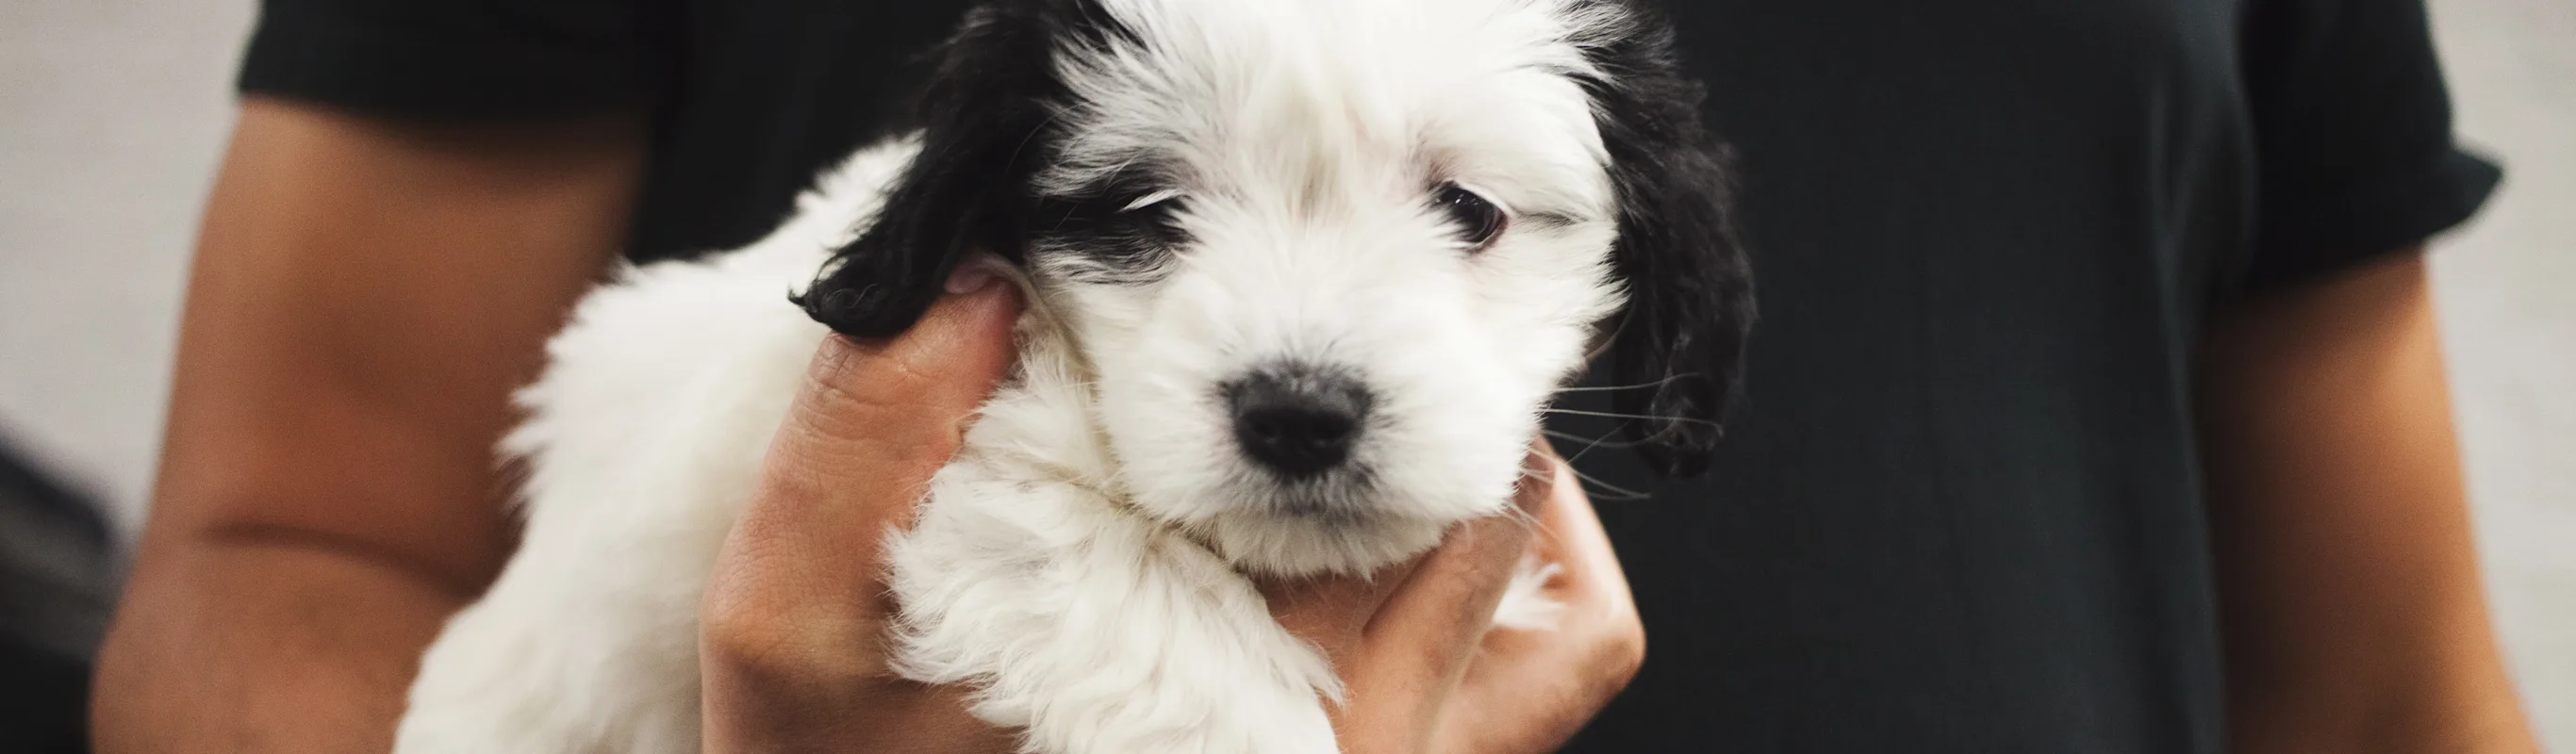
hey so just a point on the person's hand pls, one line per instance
(794, 623)
(796, 613)
(1422, 670)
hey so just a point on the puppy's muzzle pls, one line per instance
(1298, 420)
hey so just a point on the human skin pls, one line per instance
(2354, 616)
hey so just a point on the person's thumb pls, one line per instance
(872, 412)
(872, 421)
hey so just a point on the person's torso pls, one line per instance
(1957, 510)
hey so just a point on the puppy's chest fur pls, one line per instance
(1089, 626)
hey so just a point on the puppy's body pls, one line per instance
(643, 441)
(1232, 227)
(588, 641)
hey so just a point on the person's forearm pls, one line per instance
(366, 294)
(267, 645)
(2354, 616)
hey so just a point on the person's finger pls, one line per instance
(1570, 535)
(1531, 690)
(797, 604)
(867, 429)
(1416, 646)
(866, 404)
(1333, 611)
(1430, 624)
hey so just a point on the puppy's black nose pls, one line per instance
(1297, 420)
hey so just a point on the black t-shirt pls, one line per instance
(1960, 510)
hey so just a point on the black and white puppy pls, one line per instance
(1302, 278)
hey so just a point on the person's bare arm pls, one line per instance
(2354, 616)
(365, 295)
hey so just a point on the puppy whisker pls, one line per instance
(1589, 441)
(1618, 493)
(1613, 415)
(1639, 386)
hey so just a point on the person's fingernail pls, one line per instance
(974, 274)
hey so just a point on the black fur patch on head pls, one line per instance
(1116, 239)
(986, 124)
(1689, 281)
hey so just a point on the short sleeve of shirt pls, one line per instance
(2353, 136)
(458, 58)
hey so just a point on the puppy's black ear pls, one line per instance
(979, 119)
(1690, 285)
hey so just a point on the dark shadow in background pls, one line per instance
(58, 582)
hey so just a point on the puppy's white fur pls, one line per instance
(1081, 563)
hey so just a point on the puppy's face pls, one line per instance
(1326, 261)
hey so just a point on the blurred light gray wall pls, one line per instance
(2506, 286)
(113, 113)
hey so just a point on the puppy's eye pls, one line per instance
(1479, 221)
